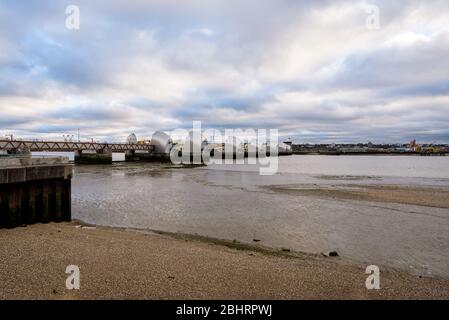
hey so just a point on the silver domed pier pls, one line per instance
(103, 156)
(156, 149)
(162, 145)
(137, 155)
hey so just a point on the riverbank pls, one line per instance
(120, 264)
(436, 197)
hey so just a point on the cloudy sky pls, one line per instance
(315, 70)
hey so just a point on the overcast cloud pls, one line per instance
(312, 69)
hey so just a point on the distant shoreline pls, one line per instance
(368, 154)
(435, 197)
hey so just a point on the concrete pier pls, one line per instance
(34, 190)
(93, 157)
(137, 156)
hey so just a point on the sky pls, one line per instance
(318, 71)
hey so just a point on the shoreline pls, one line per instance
(257, 247)
(116, 263)
(425, 196)
(231, 244)
(411, 154)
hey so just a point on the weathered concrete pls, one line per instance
(93, 157)
(34, 190)
(137, 156)
(22, 161)
(160, 157)
(21, 150)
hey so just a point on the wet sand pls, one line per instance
(348, 213)
(420, 196)
(121, 264)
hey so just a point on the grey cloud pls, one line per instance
(202, 75)
(12, 121)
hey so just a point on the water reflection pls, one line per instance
(235, 204)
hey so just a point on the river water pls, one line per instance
(235, 202)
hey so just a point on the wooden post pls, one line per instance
(58, 200)
(32, 193)
(45, 202)
(14, 207)
(39, 200)
(66, 200)
(4, 209)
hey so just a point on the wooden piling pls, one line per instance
(34, 194)
(45, 202)
(31, 217)
(66, 200)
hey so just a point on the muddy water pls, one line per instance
(235, 202)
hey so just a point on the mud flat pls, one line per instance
(437, 197)
(130, 264)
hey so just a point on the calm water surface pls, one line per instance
(234, 202)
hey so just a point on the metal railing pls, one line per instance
(65, 146)
(27, 156)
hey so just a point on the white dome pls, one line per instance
(132, 138)
(162, 143)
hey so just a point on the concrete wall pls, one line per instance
(86, 157)
(133, 156)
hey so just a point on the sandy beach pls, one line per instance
(129, 264)
(412, 195)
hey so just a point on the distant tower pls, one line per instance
(132, 139)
